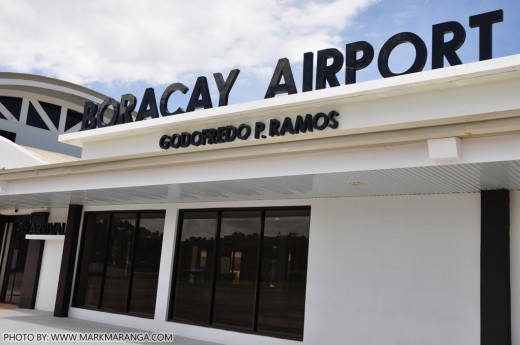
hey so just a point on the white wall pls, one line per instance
(394, 270)
(50, 267)
(515, 267)
(382, 270)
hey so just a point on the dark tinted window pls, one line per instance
(13, 104)
(120, 262)
(53, 111)
(146, 266)
(93, 259)
(15, 263)
(237, 268)
(195, 265)
(284, 271)
(34, 119)
(8, 135)
(73, 118)
(253, 274)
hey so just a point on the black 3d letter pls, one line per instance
(163, 104)
(200, 90)
(308, 61)
(148, 107)
(441, 49)
(283, 69)
(89, 116)
(352, 63)
(327, 73)
(225, 87)
(126, 107)
(103, 109)
(404, 37)
(485, 21)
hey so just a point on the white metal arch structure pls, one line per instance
(34, 110)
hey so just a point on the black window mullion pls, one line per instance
(216, 251)
(176, 255)
(259, 271)
(105, 259)
(132, 263)
(79, 292)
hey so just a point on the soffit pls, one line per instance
(463, 178)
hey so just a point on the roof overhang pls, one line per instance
(380, 147)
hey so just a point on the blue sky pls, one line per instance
(116, 48)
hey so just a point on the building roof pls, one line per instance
(13, 156)
(50, 87)
(34, 110)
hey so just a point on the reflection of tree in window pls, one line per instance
(195, 254)
(249, 290)
(281, 306)
(120, 265)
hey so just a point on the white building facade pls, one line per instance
(379, 212)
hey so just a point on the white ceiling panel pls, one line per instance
(466, 178)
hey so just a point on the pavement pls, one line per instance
(23, 326)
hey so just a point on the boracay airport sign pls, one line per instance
(329, 62)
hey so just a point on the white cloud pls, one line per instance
(160, 41)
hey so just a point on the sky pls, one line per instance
(117, 47)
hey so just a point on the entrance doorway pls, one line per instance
(12, 259)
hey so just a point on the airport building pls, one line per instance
(385, 211)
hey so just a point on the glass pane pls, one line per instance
(194, 267)
(284, 272)
(237, 269)
(9, 290)
(118, 262)
(93, 260)
(146, 265)
(18, 253)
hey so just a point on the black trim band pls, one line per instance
(495, 286)
(61, 307)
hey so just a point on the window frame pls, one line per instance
(176, 266)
